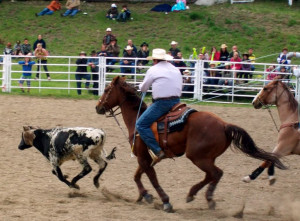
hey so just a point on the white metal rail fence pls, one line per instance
(208, 81)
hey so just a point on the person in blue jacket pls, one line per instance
(26, 75)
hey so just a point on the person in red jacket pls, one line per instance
(50, 9)
(236, 66)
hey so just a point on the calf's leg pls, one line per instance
(102, 166)
(57, 171)
(86, 169)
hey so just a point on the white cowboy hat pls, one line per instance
(187, 71)
(128, 47)
(173, 43)
(108, 29)
(113, 5)
(159, 54)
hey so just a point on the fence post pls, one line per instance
(102, 74)
(40, 74)
(69, 76)
(6, 82)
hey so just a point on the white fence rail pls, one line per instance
(207, 82)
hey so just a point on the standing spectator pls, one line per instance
(125, 14)
(114, 50)
(25, 47)
(108, 37)
(283, 59)
(179, 62)
(8, 50)
(174, 50)
(245, 67)
(41, 54)
(143, 53)
(234, 49)
(130, 43)
(39, 40)
(26, 66)
(205, 72)
(214, 54)
(252, 59)
(72, 8)
(224, 54)
(17, 48)
(129, 53)
(82, 72)
(112, 13)
(271, 74)
(50, 9)
(94, 64)
(235, 66)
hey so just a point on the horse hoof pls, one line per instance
(211, 205)
(148, 198)
(140, 198)
(272, 180)
(167, 207)
(190, 199)
(246, 179)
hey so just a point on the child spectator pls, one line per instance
(108, 37)
(174, 50)
(282, 58)
(41, 54)
(17, 47)
(50, 9)
(8, 50)
(245, 67)
(214, 54)
(224, 54)
(41, 41)
(143, 53)
(82, 72)
(93, 63)
(26, 66)
(112, 13)
(124, 15)
(271, 74)
(26, 47)
(72, 8)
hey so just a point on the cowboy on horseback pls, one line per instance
(166, 81)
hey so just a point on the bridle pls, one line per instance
(267, 106)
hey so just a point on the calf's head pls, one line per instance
(28, 137)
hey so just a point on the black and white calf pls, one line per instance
(62, 144)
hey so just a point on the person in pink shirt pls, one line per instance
(235, 66)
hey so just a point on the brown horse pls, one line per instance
(204, 137)
(277, 93)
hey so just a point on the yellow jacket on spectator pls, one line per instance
(252, 58)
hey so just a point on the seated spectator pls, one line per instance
(103, 52)
(143, 53)
(178, 62)
(108, 37)
(224, 55)
(94, 64)
(214, 54)
(114, 50)
(235, 66)
(205, 66)
(82, 72)
(271, 74)
(27, 67)
(124, 15)
(234, 49)
(213, 73)
(252, 59)
(179, 6)
(72, 8)
(130, 43)
(8, 50)
(174, 50)
(25, 47)
(226, 73)
(50, 9)
(17, 48)
(193, 57)
(41, 54)
(283, 59)
(245, 67)
(112, 13)
(188, 79)
(204, 52)
(129, 53)
(39, 40)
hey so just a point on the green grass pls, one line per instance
(267, 26)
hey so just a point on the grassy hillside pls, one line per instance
(265, 26)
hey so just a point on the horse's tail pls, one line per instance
(242, 141)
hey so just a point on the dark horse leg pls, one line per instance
(143, 193)
(213, 176)
(259, 170)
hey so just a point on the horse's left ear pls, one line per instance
(115, 80)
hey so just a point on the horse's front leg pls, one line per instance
(143, 193)
(167, 207)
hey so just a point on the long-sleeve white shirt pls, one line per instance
(166, 80)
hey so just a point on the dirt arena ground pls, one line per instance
(29, 191)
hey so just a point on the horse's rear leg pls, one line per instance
(216, 176)
(167, 207)
(142, 191)
(256, 172)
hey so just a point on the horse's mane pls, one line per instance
(292, 101)
(132, 96)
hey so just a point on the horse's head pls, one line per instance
(272, 93)
(27, 137)
(111, 97)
